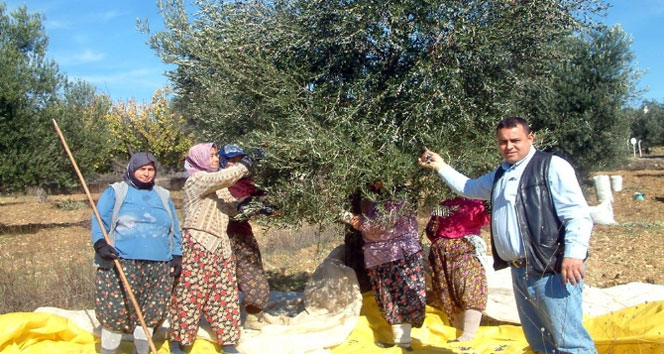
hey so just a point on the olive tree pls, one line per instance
(341, 94)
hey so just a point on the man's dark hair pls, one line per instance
(513, 122)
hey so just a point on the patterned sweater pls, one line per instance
(207, 205)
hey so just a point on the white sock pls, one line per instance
(141, 345)
(401, 333)
(110, 341)
(471, 322)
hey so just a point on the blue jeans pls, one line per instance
(551, 313)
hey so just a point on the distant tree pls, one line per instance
(150, 127)
(578, 101)
(28, 87)
(342, 93)
(647, 124)
(80, 113)
(32, 93)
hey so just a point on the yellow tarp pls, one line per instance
(637, 329)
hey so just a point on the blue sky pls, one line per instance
(97, 41)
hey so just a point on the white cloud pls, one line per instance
(52, 25)
(139, 83)
(87, 56)
(108, 15)
(136, 76)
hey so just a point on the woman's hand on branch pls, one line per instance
(432, 160)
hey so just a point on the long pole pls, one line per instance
(123, 278)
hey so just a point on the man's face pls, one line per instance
(513, 143)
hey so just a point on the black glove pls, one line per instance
(244, 205)
(247, 161)
(258, 154)
(176, 265)
(105, 251)
(267, 210)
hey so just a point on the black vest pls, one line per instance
(542, 232)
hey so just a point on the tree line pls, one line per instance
(342, 93)
(101, 133)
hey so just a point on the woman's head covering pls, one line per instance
(456, 218)
(228, 152)
(198, 158)
(137, 161)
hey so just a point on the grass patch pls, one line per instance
(280, 280)
(69, 204)
(70, 286)
(638, 225)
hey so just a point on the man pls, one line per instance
(540, 227)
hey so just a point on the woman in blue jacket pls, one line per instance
(144, 235)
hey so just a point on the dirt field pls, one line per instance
(40, 237)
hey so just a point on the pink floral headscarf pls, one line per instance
(198, 158)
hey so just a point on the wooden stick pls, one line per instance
(123, 278)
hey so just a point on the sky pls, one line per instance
(97, 41)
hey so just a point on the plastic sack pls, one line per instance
(602, 214)
(603, 188)
(616, 183)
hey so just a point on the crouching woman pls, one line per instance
(393, 258)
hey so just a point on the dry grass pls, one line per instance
(46, 255)
(25, 288)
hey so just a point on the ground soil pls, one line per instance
(42, 235)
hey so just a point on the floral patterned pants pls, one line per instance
(151, 285)
(207, 287)
(250, 274)
(457, 276)
(399, 290)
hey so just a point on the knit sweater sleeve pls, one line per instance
(203, 183)
(203, 209)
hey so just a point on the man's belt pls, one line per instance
(519, 263)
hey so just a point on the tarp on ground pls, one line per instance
(331, 316)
